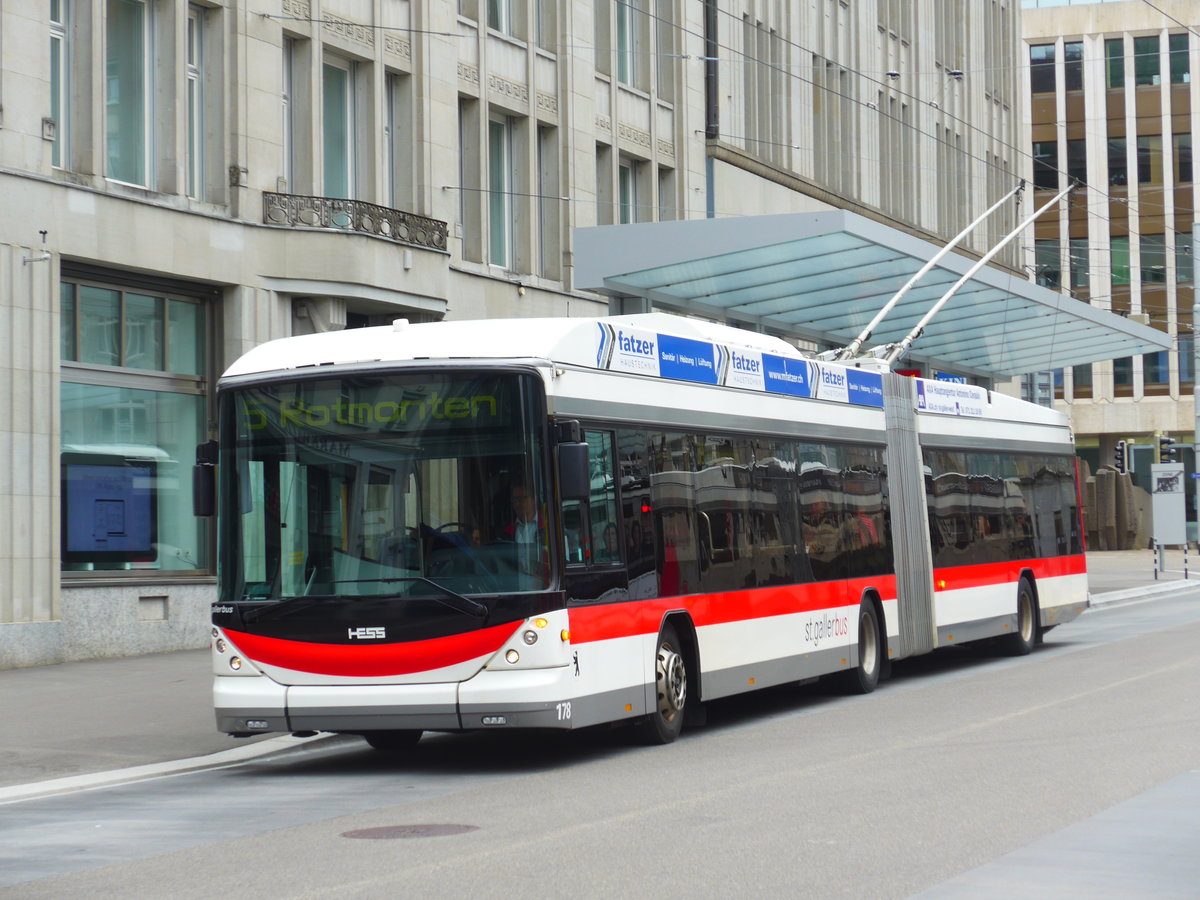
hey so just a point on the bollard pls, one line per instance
(1185, 572)
(1157, 559)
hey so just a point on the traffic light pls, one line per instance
(1166, 452)
(1119, 457)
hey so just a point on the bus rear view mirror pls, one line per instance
(204, 480)
(574, 477)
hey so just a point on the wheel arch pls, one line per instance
(686, 629)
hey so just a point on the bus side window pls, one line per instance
(602, 506)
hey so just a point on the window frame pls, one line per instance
(144, 177)
(60, 82)
(501, 227)
(195, 65)
(159, 381)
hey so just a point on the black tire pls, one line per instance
(1022, 641)
(665, 721)
(393, 741)
(864, 677)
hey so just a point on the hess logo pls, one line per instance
(367, 634)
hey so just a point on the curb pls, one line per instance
(1156, 589)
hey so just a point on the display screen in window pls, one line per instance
(109, 510)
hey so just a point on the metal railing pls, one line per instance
(298, 210)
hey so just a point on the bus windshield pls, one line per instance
(383, 485)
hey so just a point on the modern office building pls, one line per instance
(1112, 101)
(182, 181)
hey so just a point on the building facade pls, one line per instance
(1112, 90)
(182, 181)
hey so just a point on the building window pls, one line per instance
(500, 187)
(398, 166)
(1073, 65)
(499, 16)
(667, 207)
(1156, 368)
(287, 99)
(1145, 61)
(1081, 380)
(195, 102)
(1184, 268)
(60, 92)
(1114, 57)
(1118, 162)
(1149, 159)
(1180, 66)
(128, 98)
(546, 24)
(1187, 358)
(630, 189)
(130, 429)
(631, 18)
(1123, 371)
(1048, 263)
(337, 112)
(1120, 260)
(1077, 160)
(1154, 259)
(1183, 157)
(1041, 69)
(1045, 165)
(1079, 262)
(665, 32)
(549, 204)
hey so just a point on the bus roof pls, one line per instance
(570, 341)
(657, 345)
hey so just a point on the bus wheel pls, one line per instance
(1023, 639)
(393, 741)
(863, 678)
(670, 690)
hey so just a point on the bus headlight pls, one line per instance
(529, 637)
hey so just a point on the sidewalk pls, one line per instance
(102, 715)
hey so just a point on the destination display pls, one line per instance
(624, 349)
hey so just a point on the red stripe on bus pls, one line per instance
(987, 574)
(373, 660)
(617, 620)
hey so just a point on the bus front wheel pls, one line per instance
(665, 721)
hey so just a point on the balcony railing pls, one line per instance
(298, 210)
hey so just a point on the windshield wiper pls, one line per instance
(456, 601)
(451, 599)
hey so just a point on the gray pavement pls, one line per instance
(113, 720)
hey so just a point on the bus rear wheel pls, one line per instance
(665, 721)
(864, 677)
(1021, 641)
(392, 741)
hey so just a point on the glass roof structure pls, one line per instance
(823, 276)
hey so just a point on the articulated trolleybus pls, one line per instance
(560, 523)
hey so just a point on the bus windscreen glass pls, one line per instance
(396, 485)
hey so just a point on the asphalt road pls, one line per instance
(966, 772)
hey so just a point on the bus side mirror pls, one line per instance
(574, 474)
(204, 480)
